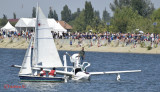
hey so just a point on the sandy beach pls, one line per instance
(63, 44)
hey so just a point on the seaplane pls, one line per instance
(42, 53)
(79, 71)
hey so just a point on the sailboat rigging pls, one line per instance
(44, 51)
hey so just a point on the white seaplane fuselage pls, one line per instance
(81, 76)
(79, 70)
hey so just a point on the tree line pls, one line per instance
(128, 16)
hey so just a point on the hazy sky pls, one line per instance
(23, 8)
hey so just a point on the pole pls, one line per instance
(65, 65)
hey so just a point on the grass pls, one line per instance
(142, 45)
(149, 48)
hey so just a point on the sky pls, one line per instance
(23, 8)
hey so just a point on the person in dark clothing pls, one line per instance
(82, 54)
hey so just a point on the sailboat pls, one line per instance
(41, 53)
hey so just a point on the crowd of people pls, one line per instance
(14, 34)
(109, 36)
(97, 38)
(127, 38)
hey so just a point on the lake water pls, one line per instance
(146, 81)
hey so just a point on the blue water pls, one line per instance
(146, 81)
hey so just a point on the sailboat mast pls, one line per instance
(37, 32)
(35, 52)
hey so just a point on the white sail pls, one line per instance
(46, 52)
(26, 65)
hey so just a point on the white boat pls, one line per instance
(41, 53)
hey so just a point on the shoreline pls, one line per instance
(63, 45)
(94, 51)
(154, 51)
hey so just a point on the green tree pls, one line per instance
(144, 7)
(106, 16)
(119, 4)
(145, 24)
(96, 14)
(33, 12)
(50, 15)
(66, 14)
(156, 18)
(102, 28)
(125, 20)
(55, 16)
(156, 15)
(79, 23)
(4, 20)
(88, 28)
(95, 23)
(14, 15)
(88, 13)
(75, 14)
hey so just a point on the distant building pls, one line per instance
(28, 24)
(13, 20)
(62, 23)
(65, 25)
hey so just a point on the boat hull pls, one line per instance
(81, 76)
(40, 79)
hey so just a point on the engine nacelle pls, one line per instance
(74, 58)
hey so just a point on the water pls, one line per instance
(146, 81)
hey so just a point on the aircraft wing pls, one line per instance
(16, 66)
(114, 72)
(64, 73)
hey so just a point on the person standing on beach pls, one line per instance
(82, 54)
(70, 41)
